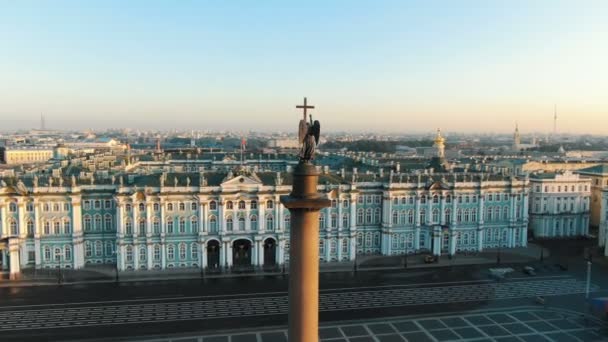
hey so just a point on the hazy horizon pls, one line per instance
(387, 66)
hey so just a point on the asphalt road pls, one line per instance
(165, 307)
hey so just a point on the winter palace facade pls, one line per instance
(234, 219)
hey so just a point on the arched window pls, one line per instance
(345, 204)
(489, 214)
(156, 253)
(254, 205)
(142, 254)
(142, 227)
(497, 214)
(474, 215)
(30, 206)
(142, 208)
(229, 223)
(435, 199)
(109, 248)
(269, 204)
(287, 221)
(229, 205)
(30, 227)
(156, 225)
(410, 216)
(129, 252)
(448, 216)
(422, 216)
(241, 204)
(448, 199)
(182, 225)
(56, 227)
(254, 222)
(12, 207)
(345, 220)
(212, 224)
(67, 227)
(193, 206)
(108, 222)
(169, 206)
(182, 251)
(459, 215)
(88, 250)
(156, 207)
(14, 228)
(435, 215)
(505, 213)
(368, 216)
(170, 225)
(241, 223)
(402, 217)
(334, 220)
(194, 251)
(87, 223)
(395, 200)
(47, 208)
(67, 253)
(334, 203)
(170, 252)
(395, 218)
(213, 205)
(98, 248)
(270, 222)
(47, 228)
(321, 221)
(377, 215)
(466, 215)
(47, 253)
(57, 254)
(182, 206)
(128, 208)
(344, 247)
(194, 224)
(322, 248)
(97, 220)
(128, 227)
(360, 216)
(423, 199)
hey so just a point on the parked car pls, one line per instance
(429, 259)
(529, 271)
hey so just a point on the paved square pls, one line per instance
(510, 325)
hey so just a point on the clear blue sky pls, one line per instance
(381, 65)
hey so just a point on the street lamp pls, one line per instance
(115, 253)
(499, 246)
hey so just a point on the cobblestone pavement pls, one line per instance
(532, 324)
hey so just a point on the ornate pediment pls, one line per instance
(242, 180)
(438, 185)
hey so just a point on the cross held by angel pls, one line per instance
(308, 134)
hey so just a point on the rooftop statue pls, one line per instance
(308, 135)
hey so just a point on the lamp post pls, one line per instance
(116, 279)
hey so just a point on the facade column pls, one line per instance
(248, 216)
(353, 247)
(148, 220)
(202, 217)
(204, 255)
(121, 257)
(163, 255)
(77, 235)
(223, 248)
(257, 247)
(453, 241)
(436, 235)
(339, 249)
(417, 238)
(221, 220)
(262, 215)
(442, 210)
(339, 215)
(417, 211)
(37, 233)
(3, 222)
(229, 253)
(327, 250)
(480, 236)
(353, 213)
(135, 256)
(14, 264)
(150, 256)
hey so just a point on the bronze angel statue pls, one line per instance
(308, 136)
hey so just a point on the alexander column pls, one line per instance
(304, 204)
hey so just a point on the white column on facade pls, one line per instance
(417, 212)
(480, 236)
(417, 238)
(223, 248)
(121, 257)
(201, 253)
(148, 221)
(442, 210)
(260, 251)
(13, 251)
(204, 255)
(339, 214)
(77, 235)
(353, 247)
(453, 241)
(135, 220)
(229, 253)
(37, 232)
(353, 213)
(163, 255)
(281, 252)
(339, 249)
(135, 256)
(327, 250)
(3, 222)
(119, 219)
(262, 215)
(150, 256)
(248, 216)
(221, 220)
(163, 220)
(21, 222)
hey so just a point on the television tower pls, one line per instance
(554, 120)
(42, 126)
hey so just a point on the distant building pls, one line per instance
(559, 205)
(283, 143)
(25, 154)
(599, 180)
(516, 139)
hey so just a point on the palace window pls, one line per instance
(345, 204)
(194, 224)
(182, 206)
(156, 253)
(128, 227)
(269, 204)
(97, 222)
(254, 222)
(287, 221)
(46, 207)
(334, 203)
(422, 216)
(98, 249)
(344, 246)
(57, 254)
(213, 205)
(368, 216)
(360, 216)
(321, 221)
(88, 251)
(242, 205)
(156, 207)
(66, 206)
(109, 248)
(47, 253)
(322, 248)
(55, 206)
(12, 207)
(142, 227)
(254, 205)
(376, 239)
(107, 204)
(67, 253)
(142, 254)
(129, 252)
(448, 216)
(193, 206)
(182, 251)
(423, 199)
(170, 226)
(86, 205)
(229, 205)
(67, 227)
(345, 220)
(97, 204)
(395, 215)
(30, 228)
(142, 208)
(14, 228)
(360, 200)
(170, 252)
(435, 199)
(87, 223)
(410, 217)
(128, 208)
(474, 215)
(403, 200)
(156, 225)
(229, 224)
(193, 251)
(241, 224)
(182, 225)
(505, 213)
(395, 200)
(169, 206)
(334, 220)
(435, 215)
(212, 224)
(497, 214)
(459, 215)
(47, 228)
(29, 207)
(269, 223)
(108, 223)
(377, 215)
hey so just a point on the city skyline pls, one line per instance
(381, 67)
